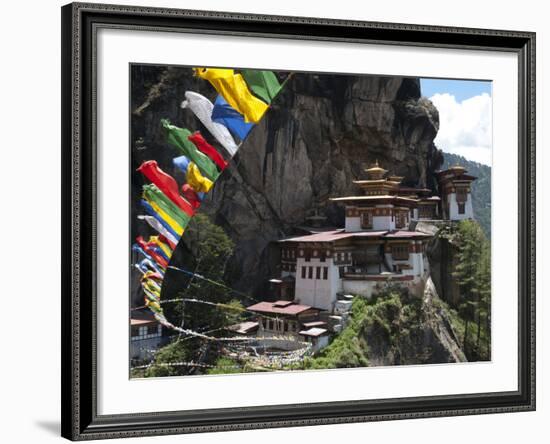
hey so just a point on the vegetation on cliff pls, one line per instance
(392, 328)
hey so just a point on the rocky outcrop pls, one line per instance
(420, 334)
(318, 136)
(442, 256)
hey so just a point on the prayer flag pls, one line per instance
(150, 251)
(164, 247)
(194, 178)
(153, 194)
(208, 149)
(151, 212)
(166, 184)
(224, 114)
(179, 137)
(161, 229)
(235, 91)
(202, 108)
(191, 195)
(181, 163)
(262, 83)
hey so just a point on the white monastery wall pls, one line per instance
(353, 224)
(381, 223)
(318, 293)
(453, 208)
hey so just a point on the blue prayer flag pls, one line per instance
(223, 113)
(182, 163)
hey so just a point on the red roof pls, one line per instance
(271, 307)
(330, 236)
(142, 317)
(340, 234)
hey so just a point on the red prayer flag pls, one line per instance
(208, 149)
(167, 184)
(164, 239)
(191, 195)
(151, 252)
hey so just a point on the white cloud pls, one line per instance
(465, 128)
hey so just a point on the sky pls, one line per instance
(465, 116)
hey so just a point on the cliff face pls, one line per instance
(423, 334)
(318, 136)
(317, 139)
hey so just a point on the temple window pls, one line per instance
(318, 273)
(366, 219)
(325, 273)
(303, 272)
(400, 252)
(461, 195)
(400, 220)
(310, 273)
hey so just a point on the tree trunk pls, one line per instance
(465, 340)
(478, 338)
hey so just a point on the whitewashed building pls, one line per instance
(324, 269)
(456, 194)
(375, 245)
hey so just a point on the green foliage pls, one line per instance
(473, 273)
(208, 251)
(348, 349)
(390, 317)
(225, 366)
(481, 188)
(234, 312)
(211, 247)
(177, 351)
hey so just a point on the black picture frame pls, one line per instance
(79, 386)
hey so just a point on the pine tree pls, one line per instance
(473, 273)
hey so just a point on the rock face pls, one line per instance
(428, 339)
(443, 258)
(318, 136)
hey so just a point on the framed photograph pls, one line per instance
(280, 221)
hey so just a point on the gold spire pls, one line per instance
(375, 172)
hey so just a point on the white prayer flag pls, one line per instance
(202, 108)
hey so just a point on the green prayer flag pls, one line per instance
(154, 194)
(262, 83)
(179, 138)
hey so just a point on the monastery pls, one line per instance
(321, 270)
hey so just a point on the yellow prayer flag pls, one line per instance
(235, 91)
(165, 248)
(196, 180)
(178, 229)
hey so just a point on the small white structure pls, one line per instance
(455, 188)
(318, 337)
(145, 335)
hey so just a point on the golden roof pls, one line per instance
(375, 171)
